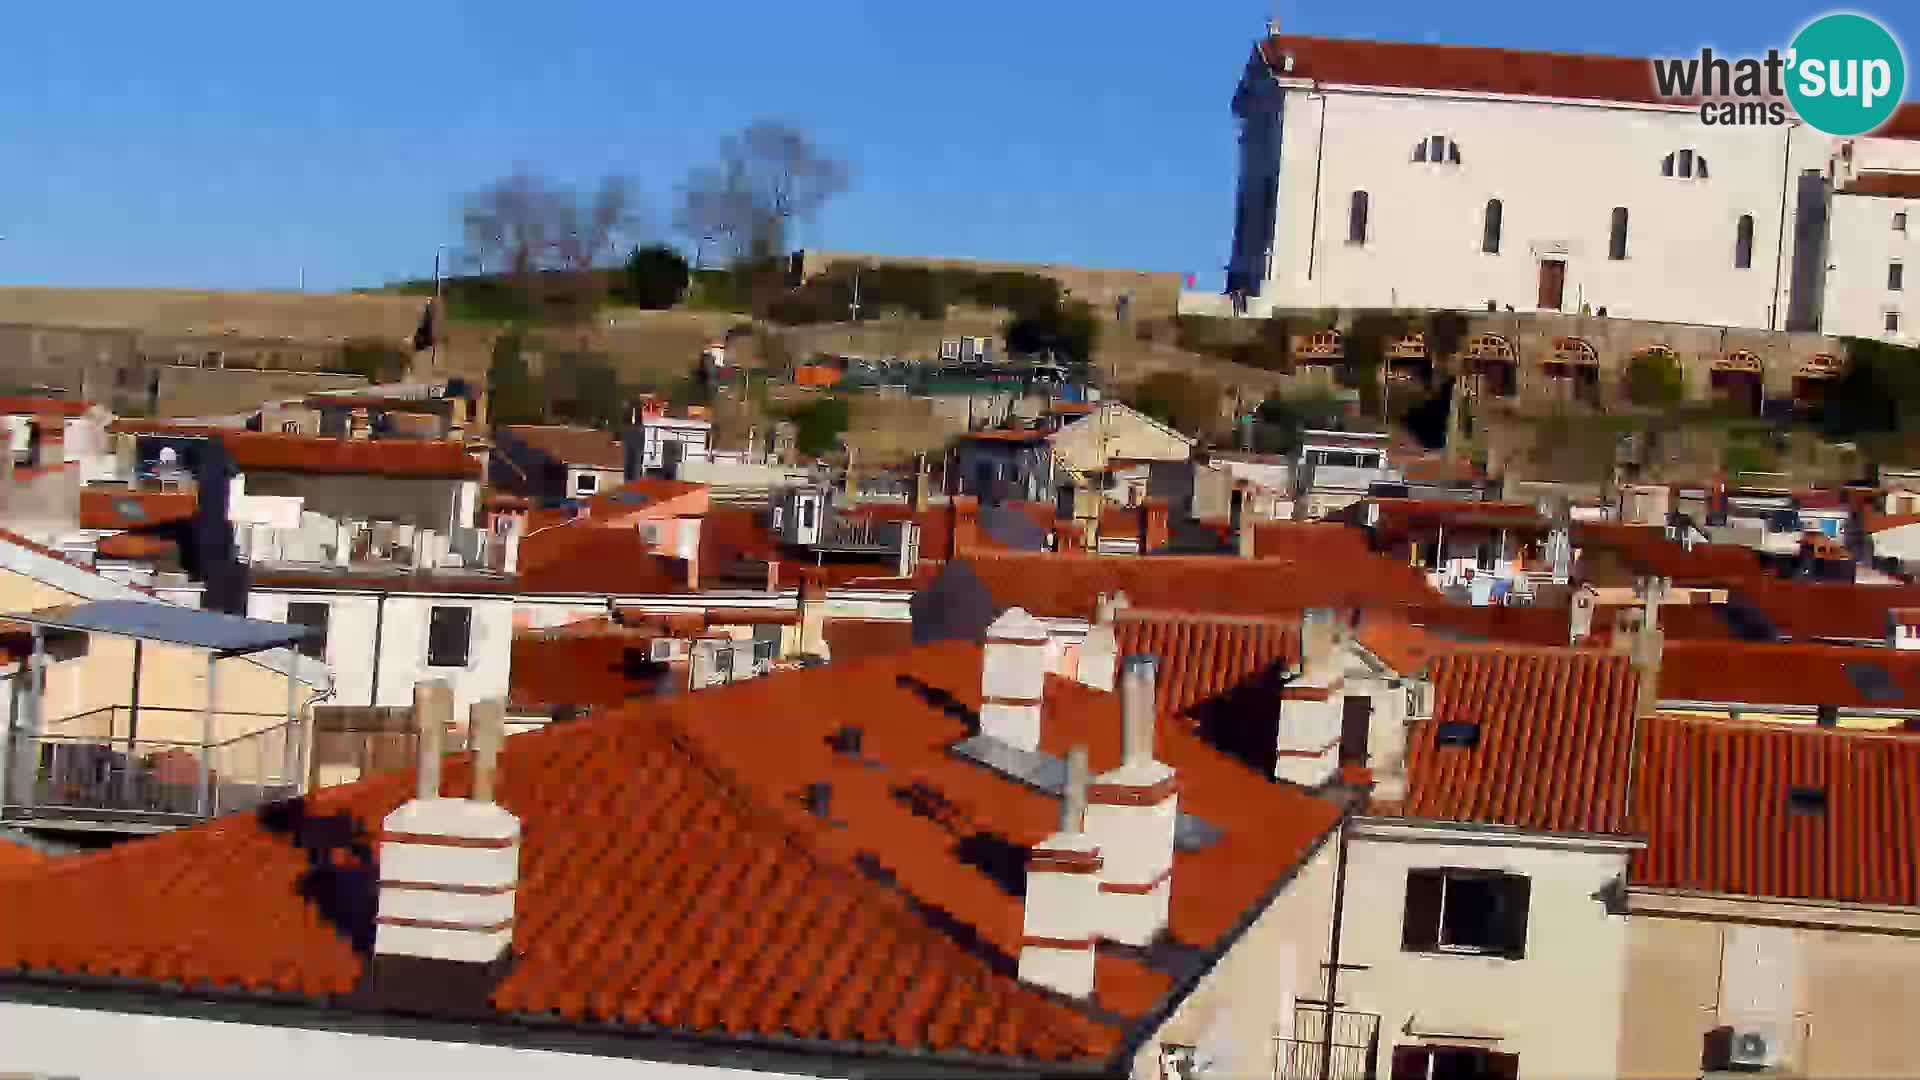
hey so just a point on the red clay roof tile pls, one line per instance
(1712, 799)
(104, 508)
(1554, 725)
(275, 452)
(704, 896)
(17, 405)
(1645, 549)
(1066, 585)
(856, 639)
(1901, 185)
(1810, 610)
(1766, 673)
(1203, 657)
(571, 445)
(585, 557)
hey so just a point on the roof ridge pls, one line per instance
(1451, 45)
(1891, 736)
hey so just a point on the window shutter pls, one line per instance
(1421, 929)
(1514, 898)
(1410, 1062)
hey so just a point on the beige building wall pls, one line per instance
(1841, 999)
(1115, 431)
(1558, 1007)
(1245, 1005)
(249, 696)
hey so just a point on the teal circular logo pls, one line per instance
(1845, 74)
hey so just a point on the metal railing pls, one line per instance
(1355, 1043)
(82, 767)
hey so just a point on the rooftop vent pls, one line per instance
(847, 740)
(1806, 801)
(819, 800)
(1048, 774)
(1458, 733)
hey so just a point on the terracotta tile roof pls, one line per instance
(1765, 673)
(131, 426)
(139, 547)
(707, 899)
(16, 405)
(588, 670)
(1305, 539)
(1396, 642)
(1399, 517)
(1645, 549)
(856, 639)
(1478, 69)
(1206, 658)
(731, 534)
(1071, 584)
(1119, 522)
(585, 557)
(1900, 185)
(1680, 622)
(1554, 730)
(1872, 521)
(1712, 799)
(1810, 610)
(275, 452)
(571, 445)
(1028, 436)
(105, 508)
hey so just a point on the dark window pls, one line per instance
(1743, 243)
(1437, 148)
(1899, 221)
(1893, 322)
(586, 483)
(1468, 911)
(1700, 167)
(1357, 219)
(1453, 1063)
(1453, 153)
(1490, 229)
(1684, 166)
(313, 616)
(1420, 151)
(1457, 733)
(1807, 801)
(1356, 718)
(449, 631)
(1896, 276)
(1617, 238)
(1666, 165)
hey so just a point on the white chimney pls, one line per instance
(1099, 655)
(1130, 818)
(1063, 895)
(449, 867)
(1307, 749)
(1013, 679)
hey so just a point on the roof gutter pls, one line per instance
(779, 1054)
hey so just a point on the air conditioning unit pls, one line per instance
(666, 649)
(1746, 1047)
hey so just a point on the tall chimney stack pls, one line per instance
(449, 869)
(1063, 896)
(1013, 679)
(1130, 816)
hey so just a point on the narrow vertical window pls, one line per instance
(1617, 240)
(1685, 165)
(1437, 148)
(1896, 276)
(1743, 243)
(1490, 229)
(1357, 219)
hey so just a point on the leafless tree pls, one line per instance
(766, 178)
(547, 237)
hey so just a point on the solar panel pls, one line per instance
(1874, 683)
(1457, 733)
(1048, 775)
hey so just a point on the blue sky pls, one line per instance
(222, 144)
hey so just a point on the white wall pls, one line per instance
(1558, 1008)
(1863, 243)
(1902, 542)
(111, 1046)
(356, 621)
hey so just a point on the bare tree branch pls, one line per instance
(542, 234)
(767, 178)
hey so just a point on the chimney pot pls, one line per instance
(486, 731)
(847, 740)
(1073, 798)
(1137, 707)
(432, 710)
(820, 799)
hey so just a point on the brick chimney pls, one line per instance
(966, 524)
(1099, 654)
(1013, 679)
(448, 872)
(1063, 895)
(1648, 645)
(1130, 818)
(1153, 525)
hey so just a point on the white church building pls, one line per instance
(1397, 175)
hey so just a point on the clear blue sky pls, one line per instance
(225, 144)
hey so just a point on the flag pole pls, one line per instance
(433, 322)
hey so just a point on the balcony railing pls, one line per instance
(1354, 1044)
(85, 771)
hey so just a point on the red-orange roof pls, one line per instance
(1554, 728)
(672, 881)
(1305, 539)
(1526, 624)
(1405, 648)
(571, 445)
(580, 669)
(1206, 658)
(1712, 798)
(276, 452)
(1071, 584)
(16, 858)
(856, 639)
(105, 508)
(1030, 435)
(585, 557)
(1461, 67)
(1813, 610)
(18, 405)
(1645, 549)
(1766, 673)
(1899, 185)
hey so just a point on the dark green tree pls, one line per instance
(656, 277)
(1069, 331)
(1180, 400)
(377, 359)
(1654, 380)
(512, 396)
(819, 426)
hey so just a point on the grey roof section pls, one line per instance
(155, 621)
(1047, 774)
(955, 606)
(1012, 529)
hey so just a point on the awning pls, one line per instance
(155, 621)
